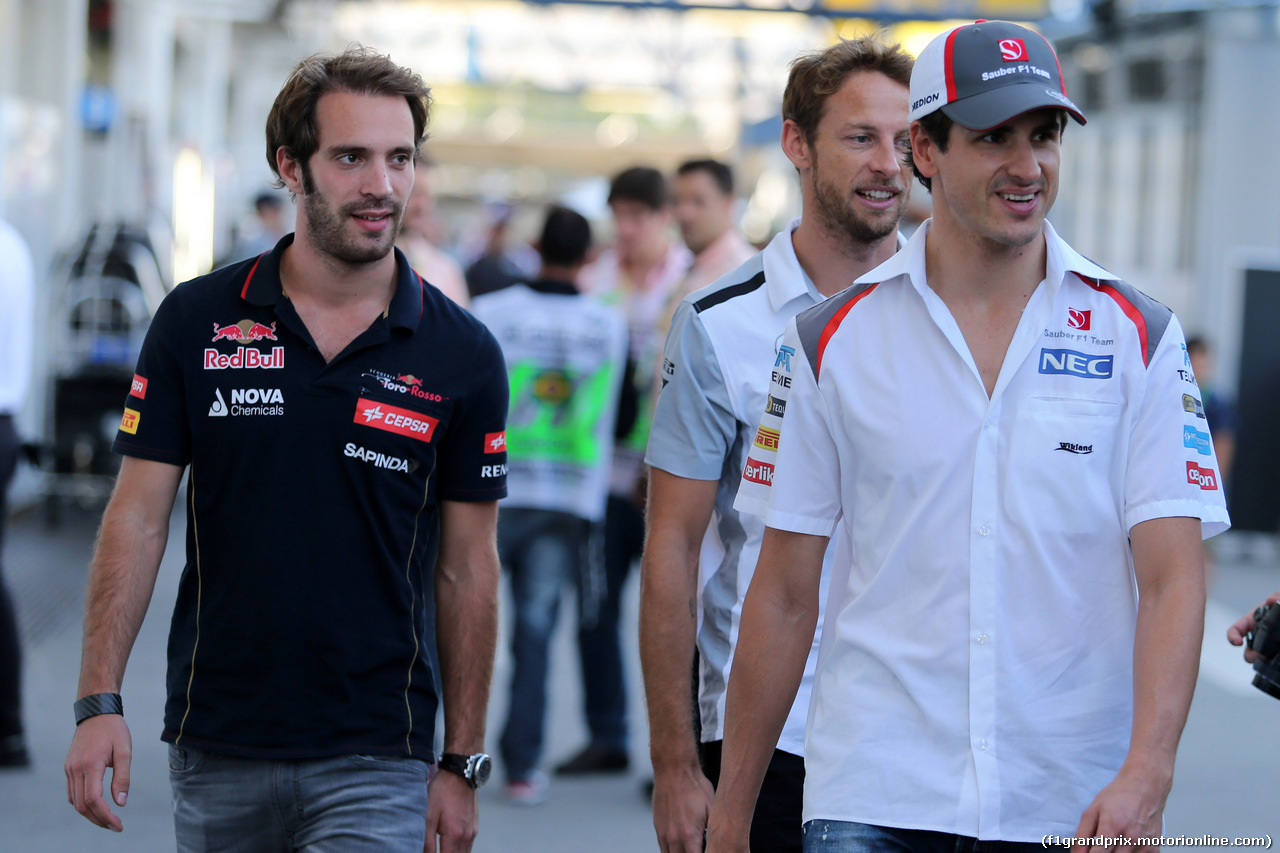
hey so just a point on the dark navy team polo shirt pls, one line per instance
(301, 625)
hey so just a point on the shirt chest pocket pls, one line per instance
(1064, 457)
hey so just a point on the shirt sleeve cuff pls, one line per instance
(1213, 520)
(801, 523)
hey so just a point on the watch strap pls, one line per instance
(97, 704)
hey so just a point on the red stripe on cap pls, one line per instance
(948, 72)
(1062, 81)
(1130, 310)
(834, 323)
(244, 291)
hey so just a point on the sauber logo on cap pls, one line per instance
(395, 419)
(495, 442)
(1013, 50)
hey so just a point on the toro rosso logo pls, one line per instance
(1013, 50)
(244, 332)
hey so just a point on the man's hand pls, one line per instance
(452, 814)
(1242, 626)
(681, 803)
(100, 742)
(1130, 807)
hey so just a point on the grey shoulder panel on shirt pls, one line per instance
(728, 292)
(1155, 314)
(811, 322)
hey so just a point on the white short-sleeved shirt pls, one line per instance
(976, 672)
(715, 383)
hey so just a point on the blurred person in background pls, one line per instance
(700, 552)
(703, 205)
(17, 316)
(269, 226)
(566, 357)
(638, 274)
(1218, 409)
(344, 449)
(418, 234)
(499, 263)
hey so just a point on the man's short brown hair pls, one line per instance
(818, 75)
(358, 70)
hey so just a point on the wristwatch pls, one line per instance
(475, 769)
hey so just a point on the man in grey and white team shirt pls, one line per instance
(845, 129)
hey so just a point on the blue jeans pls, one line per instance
(834, 836)
(345, 804)
(544, 551)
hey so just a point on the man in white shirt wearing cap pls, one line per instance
(1013, 624)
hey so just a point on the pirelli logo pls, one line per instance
(767, 439)
(129, 423)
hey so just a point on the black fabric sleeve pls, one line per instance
(155, 424)
(472, 459)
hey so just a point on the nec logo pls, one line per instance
(758, 472)
(1074, 363)
(1205, 478)
(1013, 50)
(1078, 319)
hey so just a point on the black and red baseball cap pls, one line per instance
(983, 74)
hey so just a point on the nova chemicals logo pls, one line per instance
(1196, 440)
(1072, 363)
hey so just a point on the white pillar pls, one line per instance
(142, 74)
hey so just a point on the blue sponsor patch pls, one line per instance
(1196, 440)
(784, 358)
(1072, 363)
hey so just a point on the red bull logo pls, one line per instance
(410, 380)
(244, 357)
(244, 332)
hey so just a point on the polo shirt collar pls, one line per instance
(1060, 260)
(262, 286)
(784, 278)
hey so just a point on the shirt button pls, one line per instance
(982, 639)
(982, 743)
(984, 530)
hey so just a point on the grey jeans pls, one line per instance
(345, 804)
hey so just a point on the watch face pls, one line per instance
(481, 767)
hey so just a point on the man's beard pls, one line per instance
(843, 221)
(326, 232)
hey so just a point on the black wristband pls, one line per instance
(96, 704)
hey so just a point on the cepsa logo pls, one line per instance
(138, 387)
(390, 418)
(1205, 478)
(758, 472)
(1078, 319)
(495, 442)
(245, 332)
(1013, 50)
(405, 383)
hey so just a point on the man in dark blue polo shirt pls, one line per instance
(343, 424)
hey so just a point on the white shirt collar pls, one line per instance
(1061, 259)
